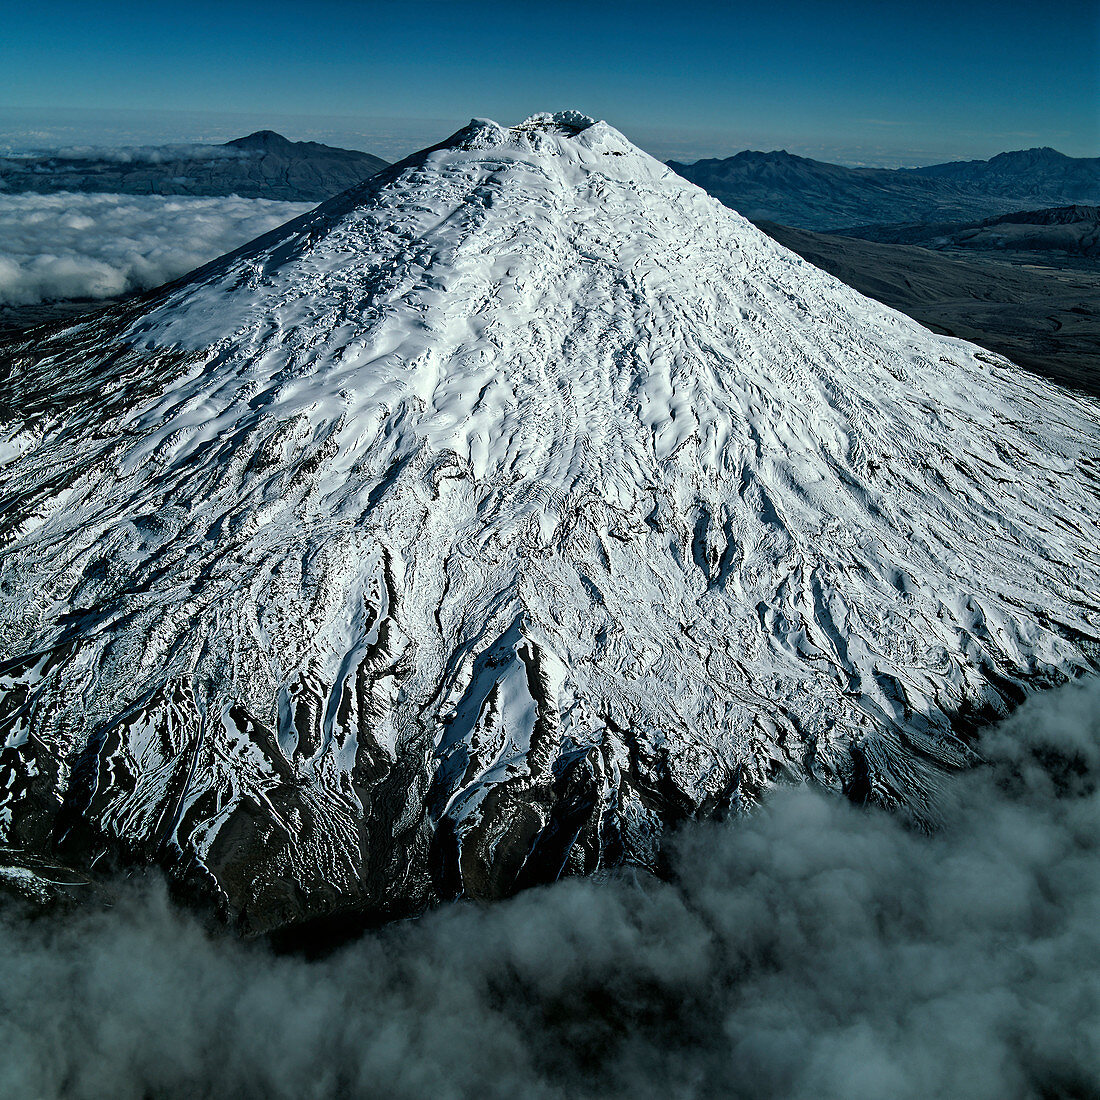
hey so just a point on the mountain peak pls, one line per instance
(567, 122)
(474, 526)
(1030, 157)
(261, 140)
(558, 133)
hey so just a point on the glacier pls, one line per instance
(483, 523)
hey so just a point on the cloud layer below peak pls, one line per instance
(814, 949)
(68, 245)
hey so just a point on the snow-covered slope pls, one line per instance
(474, 526)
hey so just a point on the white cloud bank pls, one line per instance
(813, 950)
(69, 245)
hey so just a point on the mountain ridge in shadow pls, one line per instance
(811, 194)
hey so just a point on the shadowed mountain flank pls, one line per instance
(1068, 230)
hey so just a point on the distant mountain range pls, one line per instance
(1071, 229)
(1037, 171)
(262, 165)
(776, 186)
(812, 194)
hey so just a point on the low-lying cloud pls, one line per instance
(813, 950)
(69, 245)
(40, 161)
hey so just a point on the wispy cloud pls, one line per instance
(132, 154)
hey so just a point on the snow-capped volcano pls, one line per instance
(471, 528)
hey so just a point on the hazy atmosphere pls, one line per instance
(550, 550)
(854, 82)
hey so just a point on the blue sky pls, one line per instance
(858, 82)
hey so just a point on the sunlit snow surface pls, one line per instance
(474, 526)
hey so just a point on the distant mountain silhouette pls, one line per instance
(1022, 166)
(779, 186)
(268, 141)
(262, 165)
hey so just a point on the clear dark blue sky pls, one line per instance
(862, 82)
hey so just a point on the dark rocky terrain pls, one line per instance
(811, 194)
(1041, 311)
(17, 319)
(262, 165)
(1073, 230)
